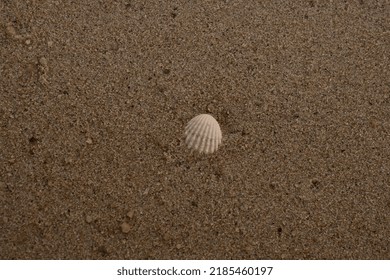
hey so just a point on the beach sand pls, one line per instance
(95, 96)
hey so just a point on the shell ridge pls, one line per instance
(201, 134)
(206, 137)
(211, 143)
(192, 136)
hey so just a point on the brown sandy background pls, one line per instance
(95, 96)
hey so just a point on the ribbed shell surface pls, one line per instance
(203, 134)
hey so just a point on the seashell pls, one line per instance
(203, 134)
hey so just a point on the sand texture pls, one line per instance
(95, 97)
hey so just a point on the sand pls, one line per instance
(95, 96)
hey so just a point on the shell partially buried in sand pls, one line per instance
(203, 134)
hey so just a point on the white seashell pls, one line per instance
(203, 134)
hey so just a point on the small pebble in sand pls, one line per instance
(43, 68)
(146, 191)
(43, 62)
(11, 30)
(88, 219)
(211, 107)
(89, 141)
(125, 227)
(130, 214)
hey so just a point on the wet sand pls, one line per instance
(95, 95)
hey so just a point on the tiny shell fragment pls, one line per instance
(203, 134)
